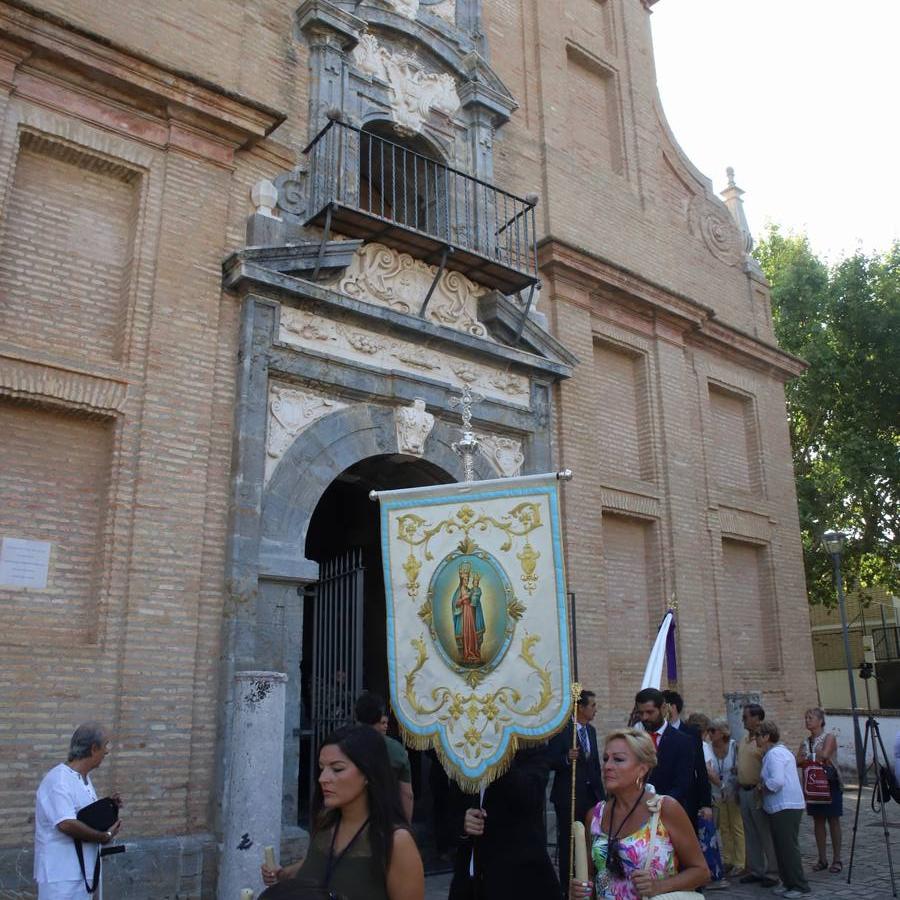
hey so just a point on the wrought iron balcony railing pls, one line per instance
(366, 186)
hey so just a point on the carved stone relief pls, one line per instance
(505, 454)
(307, 330)
(444, 9)
(387, 277)
(414, 93)
(414, 424)
(715, 225)
(408, 8)
(290, 411)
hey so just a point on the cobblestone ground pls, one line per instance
(871, 875)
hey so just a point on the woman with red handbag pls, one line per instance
(821, 748)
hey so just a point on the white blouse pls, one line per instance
(779, 775)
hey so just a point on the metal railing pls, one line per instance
(355, 171)
(886, 642)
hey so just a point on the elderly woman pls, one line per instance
(822, 747)
(629, 859)
(722, 768)
(783, 803)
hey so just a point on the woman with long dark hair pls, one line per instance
(360, 847)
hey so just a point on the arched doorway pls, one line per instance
(344, 620)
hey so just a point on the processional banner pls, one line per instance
(477, 623)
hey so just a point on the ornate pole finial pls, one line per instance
(732, 197)
(467, 446)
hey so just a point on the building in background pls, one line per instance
(250, 255)
(874, 623)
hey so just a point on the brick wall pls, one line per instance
(119, 348)
(66, 250)
(54, 482)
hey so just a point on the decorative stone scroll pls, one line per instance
(304, 329)
(714, 224)
(414, 93)
(414, 424)
(379, 274)
(290, 411)
(504, 453)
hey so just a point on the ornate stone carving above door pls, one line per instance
(414, 93)
(379, 274)
(504, 453)
(408, 8)
(304, 329)
(290, 411)
(414, 424)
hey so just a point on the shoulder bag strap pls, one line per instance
(654, 825)
(90, 888)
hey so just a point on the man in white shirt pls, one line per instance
(64, 790)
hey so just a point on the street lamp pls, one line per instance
(834, 544)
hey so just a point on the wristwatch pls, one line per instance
(109, 835)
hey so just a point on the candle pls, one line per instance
(247, 894)
(581, 868)
(269, 856)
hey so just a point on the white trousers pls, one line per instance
(62, 890)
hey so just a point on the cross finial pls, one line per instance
(467, 446)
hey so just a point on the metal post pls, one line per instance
(857, 738)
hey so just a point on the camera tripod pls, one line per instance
(873, 732)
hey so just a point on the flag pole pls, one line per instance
(576, 693)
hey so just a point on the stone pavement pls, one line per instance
(871, 876)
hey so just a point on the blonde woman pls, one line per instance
(627, 862)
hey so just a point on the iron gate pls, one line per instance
(337, 648)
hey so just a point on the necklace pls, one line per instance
(613, 859)
(612, 813)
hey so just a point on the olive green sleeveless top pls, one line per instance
(356, 874)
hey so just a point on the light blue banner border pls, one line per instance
(551, 490)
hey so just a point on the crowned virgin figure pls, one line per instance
(468, 618)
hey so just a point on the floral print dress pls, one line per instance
(633, 850)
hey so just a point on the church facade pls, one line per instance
(253, 255)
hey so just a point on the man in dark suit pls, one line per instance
(588, 780)
(674, 772)
(700, 800)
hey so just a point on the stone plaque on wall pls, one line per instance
(23, 563)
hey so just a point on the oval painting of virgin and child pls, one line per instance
(469, 596)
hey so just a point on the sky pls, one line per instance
(801, 98)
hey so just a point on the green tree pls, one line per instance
(844, 412)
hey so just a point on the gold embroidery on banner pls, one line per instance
(411, 567)
(453, 709)
(528, 557)
(522, 519)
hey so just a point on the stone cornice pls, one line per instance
(229, 117)
(697, 321)
(245, 277)
(320, 14)
(58, 385)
